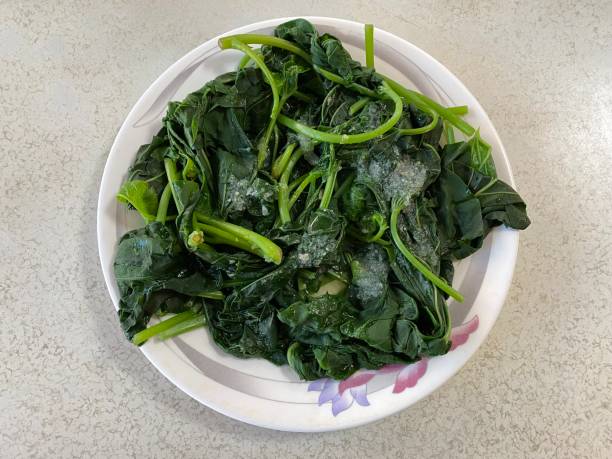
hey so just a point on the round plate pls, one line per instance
(254, 390)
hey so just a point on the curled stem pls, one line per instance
(235, 43)
(344, 139)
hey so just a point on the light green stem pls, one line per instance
(460, 110)
(451, 114)
(164, 201)
(369, 45)
(302, 186)
(450, 132)
(153, 330)
(283, 188)
(183, 327)
(281, 162)
(353, 109)
(257, 244)
(256, 39)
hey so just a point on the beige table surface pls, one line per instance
(71, 386)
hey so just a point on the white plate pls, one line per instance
(256, 391)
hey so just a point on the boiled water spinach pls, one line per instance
(307, 210)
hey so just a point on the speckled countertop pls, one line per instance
(71, 386)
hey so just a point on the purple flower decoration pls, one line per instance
(342, 394)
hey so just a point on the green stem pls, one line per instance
(283, 188)
(420, 99)
(369, 45)
(164, 325)
(235, 43)
(382, 227)
(256, 39)
(349, 138)
(460, 110)
(164, 201)
(214, 295)
(330, 183)
(348, 181)
(244, 60)
(357, 106)
(451, 114)
(303, 97)
(450, 132)
(183, 327)
(281, 162)
(423, 129)
(341, 81)
(216, 236)
(293, 185)
(418, 264)
(173, 176)
(258, 244)
(309, 178)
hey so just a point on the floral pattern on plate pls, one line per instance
(342, 394)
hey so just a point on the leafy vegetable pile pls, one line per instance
(307, 210)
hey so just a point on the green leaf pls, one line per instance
(141, 196)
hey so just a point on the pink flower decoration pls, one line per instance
(342, 394)
(461, 333)
(358, 378)
(409, 376)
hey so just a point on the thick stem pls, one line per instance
(369, 45)
(283, 188)
(258, 244)
(164, 201)
(460, 110)
(147, 333)
(281, 162)
(217, 236)
(183, 327)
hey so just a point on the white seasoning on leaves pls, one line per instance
(372, 279)
(406, 180)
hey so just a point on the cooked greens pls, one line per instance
(307, 210)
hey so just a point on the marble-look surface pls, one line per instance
(71, 386)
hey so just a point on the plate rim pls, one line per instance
(228, 407)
